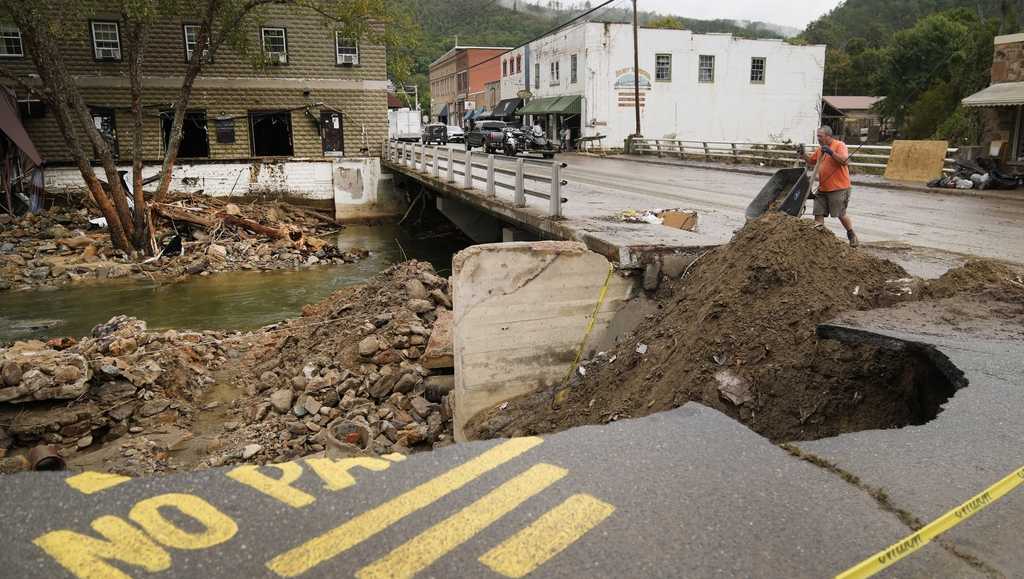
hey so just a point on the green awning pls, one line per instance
(565, 105)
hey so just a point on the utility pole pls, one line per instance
(636, 68)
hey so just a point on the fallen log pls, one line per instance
(176, 214)
(257, 228)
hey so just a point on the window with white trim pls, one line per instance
(536, 75)
(191, 32)
(275, 45)
(663, 67)
(555, 73)
(574, 65)
(106, 40)
(347, 49)
(757, 70)
(504, 68)
(706, 68)
(10, 41)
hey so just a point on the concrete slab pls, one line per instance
(977, 440)
(685, 493)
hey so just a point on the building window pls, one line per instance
(554, 73)
(706, 71)
(504, 68)
(757, 69)
(663, 67)
(271, 133)
(519, 64)
(275, 45)
(195, 140)
(106, 41)
(462, 82)
(10, 41)
(347, 50)
(573, 69)
(536, 75)
(191, 32)
(103, 120)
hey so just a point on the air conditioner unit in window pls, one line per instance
(348, 59)
(278, 58)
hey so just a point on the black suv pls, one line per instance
(487, 134)
(435, 133)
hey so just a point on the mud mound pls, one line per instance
(738, 334)
(976, 276)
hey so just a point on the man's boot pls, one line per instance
(854, 242)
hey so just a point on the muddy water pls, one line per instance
(236, 300)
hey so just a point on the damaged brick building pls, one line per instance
(1002, 103)
(319, 97)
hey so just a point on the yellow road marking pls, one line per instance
(908, 545)
(355, 531)
(279, 488)
(395, 457)
(94, 482)
(429, 546)
(335, 473)
(217, 527)
(86, 557)
(547, 536)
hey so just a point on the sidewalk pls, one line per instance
(861, 180)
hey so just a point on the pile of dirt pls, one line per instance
(198, 235)
(738, 334)
(976, 276)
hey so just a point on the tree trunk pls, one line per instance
(54, 76)
(180, 106)
(143, 235)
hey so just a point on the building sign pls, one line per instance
(469, 106)
(625, 83)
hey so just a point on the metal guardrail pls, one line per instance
(447, 163)
(871, 157)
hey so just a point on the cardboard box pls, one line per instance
(685, 220)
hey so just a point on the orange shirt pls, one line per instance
(833, 175)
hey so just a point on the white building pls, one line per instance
(708, 87)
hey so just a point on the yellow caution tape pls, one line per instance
(901, 549)
(590, 325)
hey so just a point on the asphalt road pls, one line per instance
(685, 493)
(979, 225)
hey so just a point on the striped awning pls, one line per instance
(1003, 94)
(565, 105)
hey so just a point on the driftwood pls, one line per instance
(178, 214)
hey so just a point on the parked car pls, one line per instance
(487, 134)
(434, 133)
(456, 134)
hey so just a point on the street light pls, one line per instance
(636, 69)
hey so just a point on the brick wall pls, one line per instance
(230, 87)
(1008, 62)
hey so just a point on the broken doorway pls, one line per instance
(332, 132)
(195, 140)
(271, 133)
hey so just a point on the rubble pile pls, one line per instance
(737, 333)
(197, 235)
(350, 375)
(122, 378)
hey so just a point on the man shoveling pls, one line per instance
(834, 181)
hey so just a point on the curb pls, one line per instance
(897, 186)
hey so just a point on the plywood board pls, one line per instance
(919, 161)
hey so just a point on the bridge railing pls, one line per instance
(473, 170)
(872, 158)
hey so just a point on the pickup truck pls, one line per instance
(487, 134)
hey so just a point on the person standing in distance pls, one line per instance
(833, 195)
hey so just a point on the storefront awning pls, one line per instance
(566, 105)
(443, 113)
(506, 108)
(1003, 94)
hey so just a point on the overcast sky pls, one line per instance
(796, 13)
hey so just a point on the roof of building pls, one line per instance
(998, 95)
(456, 49)
(852, 103)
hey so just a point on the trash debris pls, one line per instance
(641, 349)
